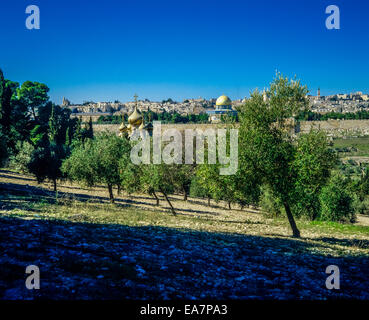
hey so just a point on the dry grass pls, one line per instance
(78, 204)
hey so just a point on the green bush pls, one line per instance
(270, 205)
(3, 149)
(20, 161)
(45, 162)
(337, 202)
(98, 160)
(196, 189)
(361, 207)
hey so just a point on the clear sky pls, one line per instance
(112, 49)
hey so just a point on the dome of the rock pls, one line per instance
(223, 101)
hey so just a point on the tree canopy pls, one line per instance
(268, 145)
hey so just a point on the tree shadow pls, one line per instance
(51, 197)
(356, 243)
(80, 260)
(12, 175)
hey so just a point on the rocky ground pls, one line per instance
(84, 259)
(80, 261)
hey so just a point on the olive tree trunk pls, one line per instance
(291, 220)
(170, 204)
(111, 196)
(156, 197)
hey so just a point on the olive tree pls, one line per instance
(266, 145)
(337, 202)
(98, 160)
(313, 163)
(158, 178)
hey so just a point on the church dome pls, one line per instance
(122, 127)
(223, 101)
(135, 118)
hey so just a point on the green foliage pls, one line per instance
(13, 118)
(352, 146)
(164, 117)
(38, 136)
(48, 138)
(234, 188)
(114, 119)
(33, 95)
(197, 189)
(360, 188)
(229, 117)
(68, 138)
(313, 163)
(361, 206)
(23, 157)
(54, 126)
(79, 133)
(157, 178)
(46, 161)
(206, 180)
(3, 148)
(182, 174)
(46, 131)
(130, 175)
(98, 160)
(89, 133)
(266, 145)
(308, 115)
(337, 202)
(270, 205)
(55, 121)
(363, 185)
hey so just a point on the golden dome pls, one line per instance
(223, 101)
(142, 126)
(122, 127)
(135, 118)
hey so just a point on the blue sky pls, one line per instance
(112, 49)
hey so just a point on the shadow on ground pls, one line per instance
(109, 261)
(98, 261)
(50, 196)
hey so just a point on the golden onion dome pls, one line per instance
(223, 101)
(122, 127)
(135, 118)
(142, 126)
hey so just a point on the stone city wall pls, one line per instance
(336, 128)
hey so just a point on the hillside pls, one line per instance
(87, 248)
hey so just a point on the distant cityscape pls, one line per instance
(339, 103)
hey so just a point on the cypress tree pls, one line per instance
(90, 130)
(67, 137)
(53, 126)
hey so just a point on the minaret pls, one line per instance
(318, 93)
